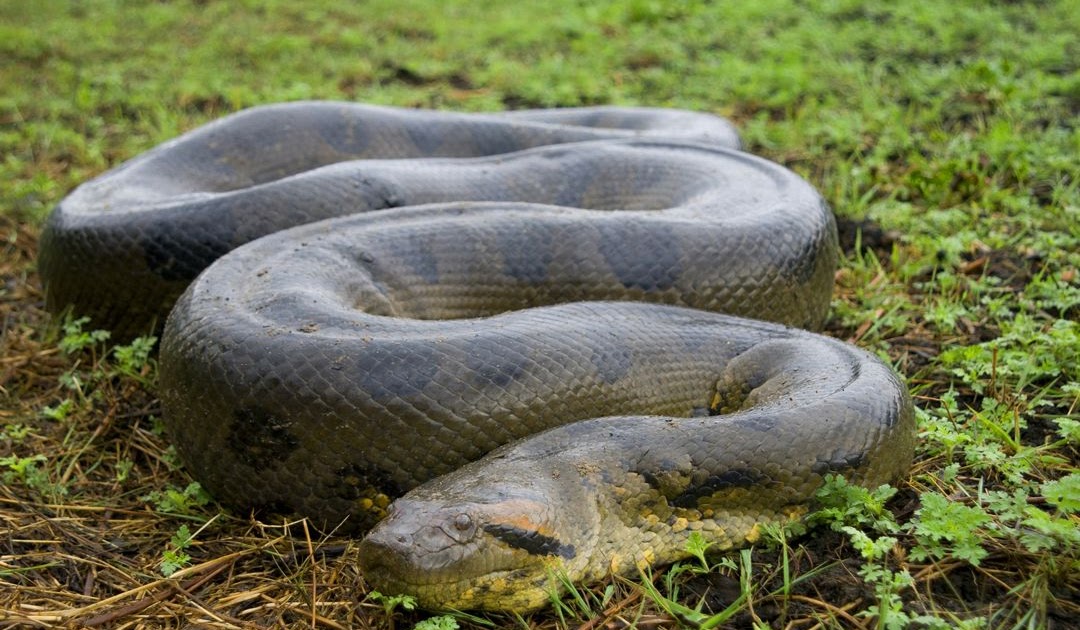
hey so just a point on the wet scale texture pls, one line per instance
(567, 292)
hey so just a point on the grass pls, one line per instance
(944, 134)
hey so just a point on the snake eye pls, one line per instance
(462, 522)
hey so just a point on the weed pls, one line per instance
(26, 470)
(76, 340)
(698, 547)
(1064, 493)
(440, 622)
(175, 556)
(133, 359)
(183, 502)
(947, 528)
(842, 504)
(390, 603)
(60, 411)
(123, 469)
(852, 509)
(888, 584)
(14, 432)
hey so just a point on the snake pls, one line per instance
(512, 350)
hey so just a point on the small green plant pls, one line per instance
(14, 432)
(698, 547)
(948, 528)
(774, 533)
(30, 472)
(1035, 528)
(887, 584)
(1069, 429)
(175, 556)
(75, 339)
(169, 457)
(88, 381)
(59, 412)
(670, 599)
(22, 469)
(841, 503)
(1064, 493)
(177, 501)
(390, 603)
(851, 509)
(123, 469)
(132, 360)
(440, 622)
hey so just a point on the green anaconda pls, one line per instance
(530, 327)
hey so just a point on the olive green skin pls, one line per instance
(570, 293)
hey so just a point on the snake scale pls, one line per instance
(510, 345)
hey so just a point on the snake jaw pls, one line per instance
(448, 552)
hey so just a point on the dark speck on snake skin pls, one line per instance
(258, 436)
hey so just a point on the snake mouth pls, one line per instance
(465, 554)
(382, 566)
(390, 569)
(393, 566)
(387, 560)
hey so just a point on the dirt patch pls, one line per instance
(865, 234)
(1014, 269)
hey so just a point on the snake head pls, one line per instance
(500, 553)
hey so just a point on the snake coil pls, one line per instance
(509, 323)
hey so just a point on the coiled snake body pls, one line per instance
(541, 287)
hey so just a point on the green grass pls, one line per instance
(947, 131)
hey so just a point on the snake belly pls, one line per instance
(510, 322)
